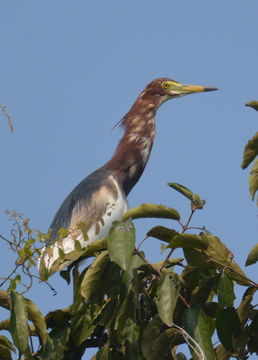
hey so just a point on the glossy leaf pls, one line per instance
(253, 256)
(91, 282)
(162, 233)
(250, 151)
(151, 211)
(38, 320)
(167, 295)
(225, 290)
(228, 325)
(195, 323)
(19, 321)
(121, 242)
(253, 180)
(253, 104)
(187, 241)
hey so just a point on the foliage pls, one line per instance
(129, 308)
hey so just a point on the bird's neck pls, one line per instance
(133, 151)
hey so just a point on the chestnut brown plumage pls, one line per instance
(101, 197)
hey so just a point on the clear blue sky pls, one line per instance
(71, 70)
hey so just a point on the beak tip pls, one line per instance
(210, 88)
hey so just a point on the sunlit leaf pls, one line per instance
(162, 233)
(250, 151)
(253, 180)
(187, 241)
(151, 211)
(253, 104)
(195, 323)
(253, 256)
(225, 290)
(19, 321)
(182, 189)
(222, 258)
(121, 242)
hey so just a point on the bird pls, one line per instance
(101, 198)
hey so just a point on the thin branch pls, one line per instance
(10, 121)
(191, 342)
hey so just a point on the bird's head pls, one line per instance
(165, 89)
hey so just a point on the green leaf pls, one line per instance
(151, 211)
(187, 241)
(203, 291)
(104, 353)
(91, 282)
(19, 321)
(167, 295)
(60, 337)
(250, 151)
(14, 282)
(162, 233)
(66, 275)
(155, 343)
(83, 323)
(222, 259)
(121, 242)
(228, 325)
(127, 276)
(253, 180)
(253, 104)
(182, 190)
(225, 290)
(6, 347)
(38, 320)
(5, 353)
(196, 324)
(180, 356)
(6, 343)
(245, 306)
(126, 312)
(253, 256)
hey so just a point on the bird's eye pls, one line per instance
(165, 85)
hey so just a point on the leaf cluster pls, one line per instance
(129, 308)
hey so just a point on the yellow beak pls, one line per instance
(190, 89)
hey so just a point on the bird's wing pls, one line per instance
(87, 213)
